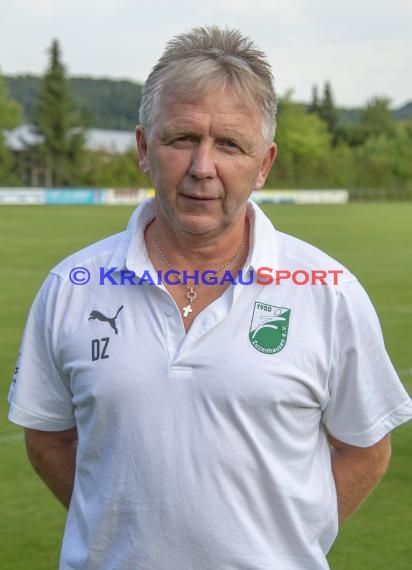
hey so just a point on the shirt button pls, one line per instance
(169, 312)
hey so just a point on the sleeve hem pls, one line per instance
(394, 419)
(32, 421)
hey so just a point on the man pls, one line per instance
(196, 424)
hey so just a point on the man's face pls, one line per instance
(205, 156)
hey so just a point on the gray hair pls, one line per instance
(210, 55)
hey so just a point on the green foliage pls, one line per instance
(10, 116)
(376, 118)
(403, 113)
(328, 112)
(10, 112)
(303, 140)
(108, 104)
(372, 156)
(58, 120)
(314, 105)
(113, 171)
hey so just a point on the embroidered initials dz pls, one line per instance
(99, 348)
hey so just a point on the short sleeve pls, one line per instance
(40, 396)
(366, 397)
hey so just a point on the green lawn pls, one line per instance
(373, 240)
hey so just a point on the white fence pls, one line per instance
(133, 196)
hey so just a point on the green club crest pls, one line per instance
(269, 328)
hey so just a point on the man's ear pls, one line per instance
(267, 163)
(142, 149)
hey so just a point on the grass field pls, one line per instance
(373, 240)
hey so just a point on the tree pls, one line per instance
(10, 116)
(328, 111)
(58, 120)
(304, 144)
(113, 170)
(314, 106)
(376, 118)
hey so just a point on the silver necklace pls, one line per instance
(191, 294)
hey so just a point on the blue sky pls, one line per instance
(364, 47)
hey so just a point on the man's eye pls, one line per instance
(182, 141)
(230, 145)
(183, 138)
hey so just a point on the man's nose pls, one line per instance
(203, 165)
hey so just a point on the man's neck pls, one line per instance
(199, 252)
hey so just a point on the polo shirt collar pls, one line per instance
(263, 243)
(137, 258)
(131, 252)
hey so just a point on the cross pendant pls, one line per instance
(186, 310)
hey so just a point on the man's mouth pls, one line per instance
(199, 198)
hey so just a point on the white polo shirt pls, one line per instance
(205, 450)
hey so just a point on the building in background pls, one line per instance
(24, 141)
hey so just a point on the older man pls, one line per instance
(214, 423)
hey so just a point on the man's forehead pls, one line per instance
(215, 96)
(229, 111)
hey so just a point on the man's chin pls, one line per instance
(198, 224)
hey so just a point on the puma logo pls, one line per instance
(111, 320)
